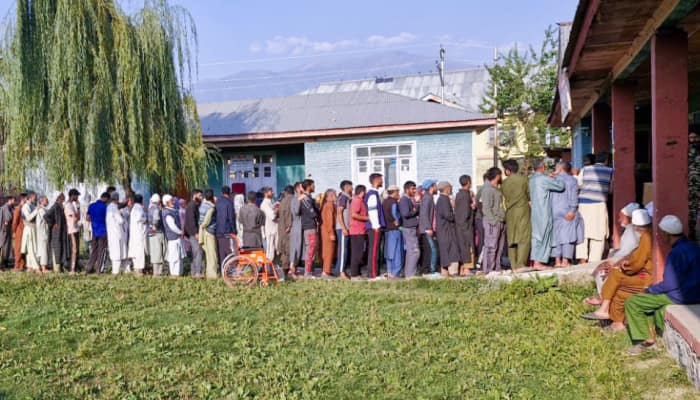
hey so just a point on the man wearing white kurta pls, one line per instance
(173, 232)
(138, 229)
(116, 235)
(43, 227)
(29, 245)
(270, 229)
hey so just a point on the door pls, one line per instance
(255, 171)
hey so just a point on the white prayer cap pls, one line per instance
(671, 225)
(629, 208)
(167, 198)
(650, 208)
(640, 217)
(155, 198)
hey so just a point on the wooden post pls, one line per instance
(624, 188)
(601, 121)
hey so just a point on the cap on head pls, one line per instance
(393, 188)
(442, 185)
(640, 217)
(114, 196)
(650, 208)
(629, 209)
(428, 183)
(167, 199)
(155, 198)
(671, 225)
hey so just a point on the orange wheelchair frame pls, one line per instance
(247, 267)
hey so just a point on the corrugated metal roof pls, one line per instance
(466, 88)
(311, 112)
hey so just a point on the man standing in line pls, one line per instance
(252, 220)
(295, 233)
(393, 242)
(72, 215)
(516, 193)
(541, 187)
(96, 216)
(156, 236)
(226, 224)
(29, 245)
(173, 233)
(494, 218)
(284, 227)
(376, 223)
(60, 246)
(446, 231)
(207, 233)
(341, 228)
(426, 229)
(464, 224)
(694, 182)
(17, 232)
(596, 184)
(567, 227)
(138, 231)
(116, 235)
(309, 225)
(43, 229)
(270, 228)
(191, 227)
(409, 228)
(6, 231)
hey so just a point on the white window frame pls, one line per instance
(354, 160)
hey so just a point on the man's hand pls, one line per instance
(196, 237)
(332, 237)
(570, 216)
(429, 233)
(345, 232)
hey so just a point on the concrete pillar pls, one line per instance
(669, 128)
(624, 189)
(600, 124)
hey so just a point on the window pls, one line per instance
(267, 171)
(395, 161)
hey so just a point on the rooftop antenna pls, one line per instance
(441, 69)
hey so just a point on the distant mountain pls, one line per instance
(252, 84)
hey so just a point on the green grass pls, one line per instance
(103, 337)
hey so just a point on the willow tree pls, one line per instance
(92, 93)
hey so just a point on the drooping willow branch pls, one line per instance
(90, 93)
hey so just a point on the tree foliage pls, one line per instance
(91, 93)
(521, 92)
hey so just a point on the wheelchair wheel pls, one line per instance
(239, 271)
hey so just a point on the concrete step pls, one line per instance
(682, 338)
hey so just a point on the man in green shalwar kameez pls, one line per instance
(518, 231)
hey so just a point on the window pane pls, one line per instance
(405, 149)
(257, 172)
(405, 165)
(267, 159)
(378, 166)
(267, 173)
(363, 166)
(362, 152)
(257, 160)
(384, 151)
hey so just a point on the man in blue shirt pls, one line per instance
(97, 216)
(680, 285)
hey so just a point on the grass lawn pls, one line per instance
(103, 337)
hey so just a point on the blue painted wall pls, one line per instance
(441, 156)
(581, 144)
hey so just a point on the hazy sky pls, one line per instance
(236, 35)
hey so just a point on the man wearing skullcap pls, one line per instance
(156, 237)
(680, 285)
(117, 234)
(446, 230)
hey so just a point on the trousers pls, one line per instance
(619, 287)
(98, 254)
(357, 250)
(196, 248)
(374, 237)
(494, 240)
(645, 312)
(393, 252)
(410, 242)
(343, 255)
(429, 259)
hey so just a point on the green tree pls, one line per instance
(91, 93)
(521, 92)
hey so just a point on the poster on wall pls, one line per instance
(241, 163)
(564, 95)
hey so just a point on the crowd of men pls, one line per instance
(515, 221)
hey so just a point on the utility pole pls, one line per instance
(495, 111)
(441, 69)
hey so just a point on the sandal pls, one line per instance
(592, 316)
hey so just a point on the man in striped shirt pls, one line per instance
(595, 183)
